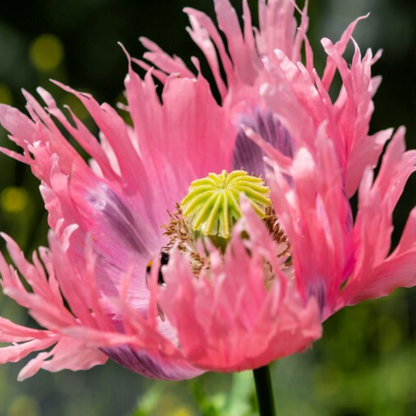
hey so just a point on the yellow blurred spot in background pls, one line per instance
(46, 52)
(6, 96)
(14, 200)
(182, 411)
(23, 406)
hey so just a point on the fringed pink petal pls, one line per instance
(81, 134)
(17, 352)
(68, 354)
(278, 28)
(115, 131)
(118, 231)
(99, 206)
(152, 364)
(301, 37)
(162, 60)
(377, 273)
(48, 141)
(243, 54)
(286, 106)
(363, 155)
(18, 124)
(75, 193)
(340, 47)
(228, 320)
(60, 198)
(73, 355)
(243, 66)
(205, 24)
(259, 134)
(201, 37)
(160, 75)
(249, 38)
(45, 299)
(166, 134)
(398, 270)
(95, 328)
(353, 111)
(301, 85)
(136, 346)
(283, 161)
(11, 332)
(314, 213)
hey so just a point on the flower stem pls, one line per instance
(264, 391)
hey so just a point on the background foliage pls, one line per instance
(364, 365)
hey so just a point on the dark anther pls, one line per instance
(164, 259)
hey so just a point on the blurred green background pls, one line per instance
(366, 362)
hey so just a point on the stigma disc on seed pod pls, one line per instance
(212, 205)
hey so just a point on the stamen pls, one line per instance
(180, 234)
(273, 225)
(283, 248)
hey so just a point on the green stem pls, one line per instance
(264, 391)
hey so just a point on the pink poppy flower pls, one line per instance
(274, 264)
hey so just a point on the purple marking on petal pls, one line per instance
(350, 259)
(247, 155)
(119, 218)
(349, 222)
(317, 290)
(153, 366)
(123, 241)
